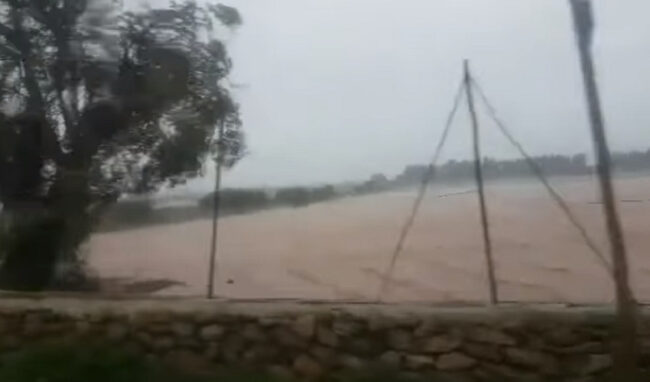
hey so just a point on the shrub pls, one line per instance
(320, 194)
(237, 200)
(293, 196)
(77, 362)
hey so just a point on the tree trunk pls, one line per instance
(41, 233)
(31, 244)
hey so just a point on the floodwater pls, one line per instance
(341, 249)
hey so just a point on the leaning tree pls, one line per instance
(95, 103)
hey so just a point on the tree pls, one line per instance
(234, 201)
(293, 196)
(95, 104)
(323, 193)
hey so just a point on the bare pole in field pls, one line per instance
(626, 353)
(215, 211)
(478, 173)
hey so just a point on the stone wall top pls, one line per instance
(82, 305)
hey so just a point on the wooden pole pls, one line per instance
(478, 173)
(215, 212)
(626, 353)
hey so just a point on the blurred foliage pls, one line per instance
(83, 362)
(95, 103)
(293, 196)
(129, 213)
(77, 362)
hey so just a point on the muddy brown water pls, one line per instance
(340, 249)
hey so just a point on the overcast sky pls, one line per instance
(337, 90)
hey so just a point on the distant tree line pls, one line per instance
(131, 213)
(551, 165)
(460, 171)
(631, 161)
(234, 201)
(140, 212)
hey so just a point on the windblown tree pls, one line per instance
(95, 103)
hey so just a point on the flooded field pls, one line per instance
(340, 249)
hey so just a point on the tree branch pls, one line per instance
(9, 51)
(36, 104)
(6, 31)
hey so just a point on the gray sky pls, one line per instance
(339, 89)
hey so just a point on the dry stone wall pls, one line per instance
(318, 341)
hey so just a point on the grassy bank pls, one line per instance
(74, 362)
(98, 363)
(83, 363)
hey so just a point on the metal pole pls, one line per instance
(478, 173)
(625, 356)
(215, 211)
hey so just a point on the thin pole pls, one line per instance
(625, 355)
(478, 173)
(537, 171)
(215, 212)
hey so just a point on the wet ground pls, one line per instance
(340, 249)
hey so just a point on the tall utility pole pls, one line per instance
(626, 353)
(215, 211)
(478, 173)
